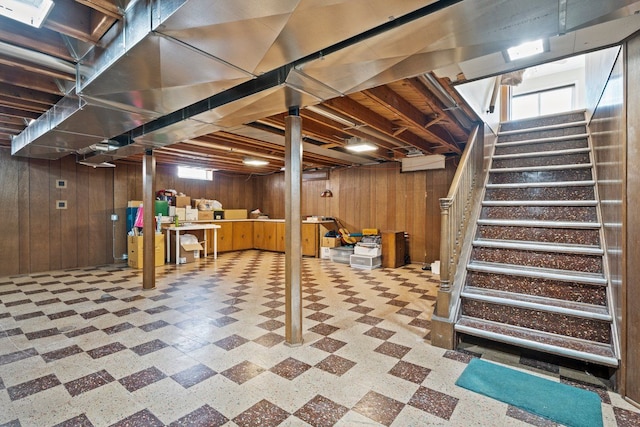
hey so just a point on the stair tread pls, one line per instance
(536, 223)
(539, 246)
(538, 272)
(587, 183)
(538, 303)
(534, 141)
(545, 153)
(542, 203)
(542, 168)
(537, 340)
(540, 128)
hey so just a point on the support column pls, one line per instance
(148, 230)
(293, 227)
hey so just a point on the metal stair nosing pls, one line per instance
(540, 140)
(538, 246)
(546, 153)
(586, 183)
(540, 346)
(544, 127)
(593, 279)
(539, 224)
(591, 313)
(542, 168)
(540, 203)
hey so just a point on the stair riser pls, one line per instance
(542, 121)
(540, 193)
(540, 134)
(541, 213)
(536, 160)
(545, 235)
(541, 176)
(568, 291)
(568, 262)
(541, 147)
(561, 324)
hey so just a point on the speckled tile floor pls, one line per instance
(89, 347)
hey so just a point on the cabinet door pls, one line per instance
(258, 235)
(280, 236)
(270, 236)
(225, 236)
(242, 235)
(310, 240)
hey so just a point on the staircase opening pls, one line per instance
(550, 88)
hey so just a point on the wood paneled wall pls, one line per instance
(39, 237)
(373, 197)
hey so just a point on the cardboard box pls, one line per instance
(134, 203)
(325, 253)
(235, 214)
(331, 242)
(191, 214)
(182, 201)
(182, 214)
(205, 215)
(135, 253)
(189, 249)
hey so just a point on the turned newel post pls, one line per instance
(444, 293)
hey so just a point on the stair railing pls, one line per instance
(455, 212)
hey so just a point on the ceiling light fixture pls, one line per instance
(336, 117)
(255, 162)
(525, 50)
(358, 145)
(30, 12)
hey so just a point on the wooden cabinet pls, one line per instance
(225, 236)
(258, 235)
(310, 239)
(280, 236)
(393, 249)
(242, 235)
(270, 236)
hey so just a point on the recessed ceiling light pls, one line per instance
(358, 145)
(31, 12)
(255, 162)
(525, 50)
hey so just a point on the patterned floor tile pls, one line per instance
(324, 329)
(369, 320)
(120, 327)
(529, 418)
(380, 333)
(335, 365)
(194, 375)
(410, 372)
(271, 325)
(393, 350)
(379, 408)
(243, 372)
(77, 421)
(148, 327)
(149, 347)
(204, 416)
(106, 350)
(231, 342)
(141, 379)
(61, 353)
(321, 412)
(37, 385)
(142, 418)
(262, 414)
(329, 345)
(434, 402)
(269, 340)
(88, 383)
(290, 368)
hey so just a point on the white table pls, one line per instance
(204, 227)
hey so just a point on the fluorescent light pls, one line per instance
(30, 12)
(255, 162)
(358, 145)
(336, 117)
(525, 50)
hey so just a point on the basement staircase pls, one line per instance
(536, 273)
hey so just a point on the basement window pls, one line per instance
(541, 103)
(195, 173)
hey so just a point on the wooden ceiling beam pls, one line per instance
(71, 19)
(354, 110)
(22, 104)
(28, 80)
(108, 8)
(28, 94)
(14, 112)
(30, 67)
(408, 114)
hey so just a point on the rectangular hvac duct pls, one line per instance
(420, 163)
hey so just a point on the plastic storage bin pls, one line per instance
(365, 262)
(341, 254)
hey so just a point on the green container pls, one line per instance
(162, 207)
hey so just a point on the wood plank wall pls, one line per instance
(39, 237)
(373, 197)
